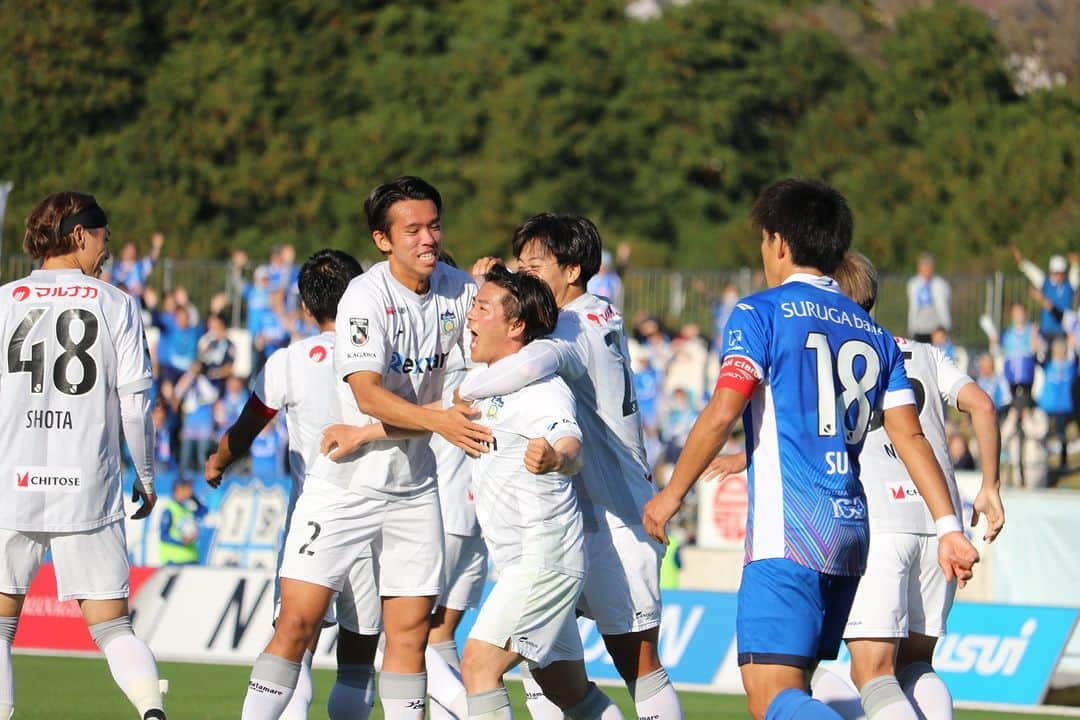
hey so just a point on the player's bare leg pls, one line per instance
(781, 690)
(10, 607)
(130, 661)
(445, 685)
(275, 673)
(566, 684)
(917, 677)
(300, 703)
(638, 662)
(482, 669)
(353, 695)
(403, 681)
(873, 669)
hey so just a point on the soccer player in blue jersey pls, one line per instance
(806, 368)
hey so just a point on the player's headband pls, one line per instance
(90, 218)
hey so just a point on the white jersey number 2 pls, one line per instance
(833, 408)
(73, 350)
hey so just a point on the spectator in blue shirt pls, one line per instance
(216, 351)
(1019, 345)
(179, 346)
(993, 384)
(130, 272)
(1057, 290)
(1056, 397)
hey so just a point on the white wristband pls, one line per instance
(947, 524)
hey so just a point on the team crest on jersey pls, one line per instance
(448, 322)
(734, 339)
(493, 408)
(358, 331)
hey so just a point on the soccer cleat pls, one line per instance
(154, 714)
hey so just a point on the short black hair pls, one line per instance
(571, 239)
(528, 298)
(323, 279)
(812, 217)
(382, 198)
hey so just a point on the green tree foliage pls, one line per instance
(244, 124)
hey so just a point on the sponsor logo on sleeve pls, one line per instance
(40, 479)
(358, 331)
(317, 353)
(734, 339)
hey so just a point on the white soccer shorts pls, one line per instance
(89, 565)
(465, 569)
(533, 608)
(903, 590)
(622, 583)
(332, 528)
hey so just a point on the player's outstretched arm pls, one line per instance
(535, 361)
(454, 423)
(709, 434)
(977, 404)
(955, 553)
(236, 442)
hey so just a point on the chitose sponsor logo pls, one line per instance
(44, 478)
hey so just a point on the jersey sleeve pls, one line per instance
(133, 372)
(468, 294)
(898, 388)
(746, 343)
(950, 378)
(270, 384)
(556, 416)
(362, 338)
(531, 363)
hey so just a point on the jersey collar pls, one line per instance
(821, 281)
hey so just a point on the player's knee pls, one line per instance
(477, 671)
(295, 629)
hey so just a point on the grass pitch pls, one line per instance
(81, 688)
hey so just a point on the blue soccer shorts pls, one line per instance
(791, 615)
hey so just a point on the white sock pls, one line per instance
(402, 695)
(595, 705)
(353, 695)
(131, 663)
(927, 692)
(444, 682)
(438, 712)
(539, 707)
(838, 693)
(300, 702)
(490, 705)
(273, 680)
(883, 699)
(8, 626)
(655, 698)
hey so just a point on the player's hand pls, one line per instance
(213, 471)
(339, 441)
(988, 503)
(457, 426)
(541, 458)
(157, 240)
(481, 267)
(148, 499)
(723, 466)
(658, 511)
(957, 556)
(1017, 255)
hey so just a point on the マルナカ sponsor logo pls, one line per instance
(40, 292)
(358, 331)
(48, 420)
(32, 479)
(317, 353)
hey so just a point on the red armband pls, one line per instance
(738, 374)
(260, 408)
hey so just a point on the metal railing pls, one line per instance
(670, 295)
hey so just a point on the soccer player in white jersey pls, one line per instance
(809, 367)
(300, 381)
(396, 326)
(529, 515)
(75, 371)
(903, 598)
(588, 350)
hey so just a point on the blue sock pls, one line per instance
(794, 704)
